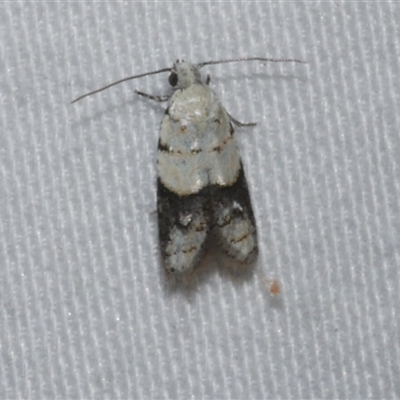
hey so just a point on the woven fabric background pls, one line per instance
(85, 310)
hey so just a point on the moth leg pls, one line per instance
(241, 124)
(183, 224)
(234, 222)
(151, 97)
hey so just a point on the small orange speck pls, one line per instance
(273, 285)
(274, 288)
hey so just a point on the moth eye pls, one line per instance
(173, 79)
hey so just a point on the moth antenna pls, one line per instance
(251, 59)
(120, 81)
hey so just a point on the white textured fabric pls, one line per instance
(84, 308)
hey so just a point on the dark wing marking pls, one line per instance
(233, 220)
(183, 224)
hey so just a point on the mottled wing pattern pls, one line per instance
(233, 220)
(183, 223)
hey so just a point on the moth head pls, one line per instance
(184, 74)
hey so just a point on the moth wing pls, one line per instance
(233, 220)
(184, 224)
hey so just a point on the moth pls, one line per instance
(202, 193)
